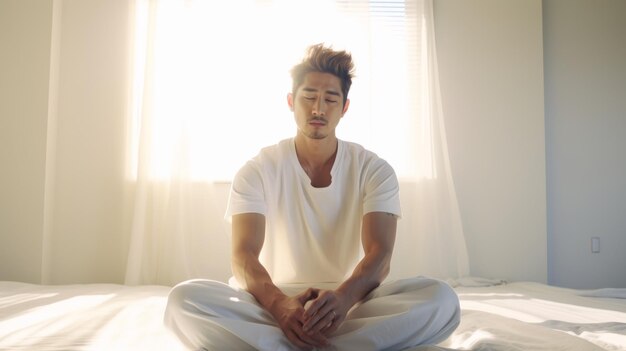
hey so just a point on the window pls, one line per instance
(211, 80)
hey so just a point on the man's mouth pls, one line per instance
(317, 122)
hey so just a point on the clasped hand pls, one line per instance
(309, 318)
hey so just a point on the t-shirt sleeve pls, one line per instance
(382, 192)
(246, 192)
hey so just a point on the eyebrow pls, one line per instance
(330, 92)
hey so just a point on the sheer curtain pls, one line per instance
(210, 85)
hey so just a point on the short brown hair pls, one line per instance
(326, 60)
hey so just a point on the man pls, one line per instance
(300, 211)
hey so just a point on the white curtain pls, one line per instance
(210, 82)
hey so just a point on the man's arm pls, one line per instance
(378, 236)
(248, 235)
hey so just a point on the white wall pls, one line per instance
(491, 70)
(63, 91)
(87, 218)
(585, 60)
(25, 29)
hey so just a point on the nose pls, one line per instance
(319, 108)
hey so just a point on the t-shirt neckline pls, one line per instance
(305, 177)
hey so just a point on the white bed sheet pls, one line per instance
(84, 317)
(532, 316)
(517, 316)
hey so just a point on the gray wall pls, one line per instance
(585, 84)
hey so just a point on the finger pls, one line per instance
(331, 328)
(324, 322)
(316, 340)
(318, 317)
(309, 294)
(320, 339)
(294, 339)
(325, 329)
(315, 306)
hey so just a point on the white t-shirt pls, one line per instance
(312, 235)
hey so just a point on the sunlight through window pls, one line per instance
(49, 319)
(211, 80)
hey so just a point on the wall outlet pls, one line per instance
(595, 244)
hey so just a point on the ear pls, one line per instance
(345, 107)
(290, 101)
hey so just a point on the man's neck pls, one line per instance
(315, 153)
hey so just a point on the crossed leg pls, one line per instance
(397, 315)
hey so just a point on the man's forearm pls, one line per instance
(248, 236)
(378, 236)
(256, 280)
(330, 309)
(368, 275)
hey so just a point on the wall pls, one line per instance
(490, 60)
(490, 55)
(63, 102)
(25, 30)
(86, 230)
(491, 71)
(585, 60)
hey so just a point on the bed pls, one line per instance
(499, 316)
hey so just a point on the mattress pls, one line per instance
(516, 316)
(84, 317)
(532, 316)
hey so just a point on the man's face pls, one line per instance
(318, 105)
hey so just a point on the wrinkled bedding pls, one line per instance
(515, 316)
(532, 316)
